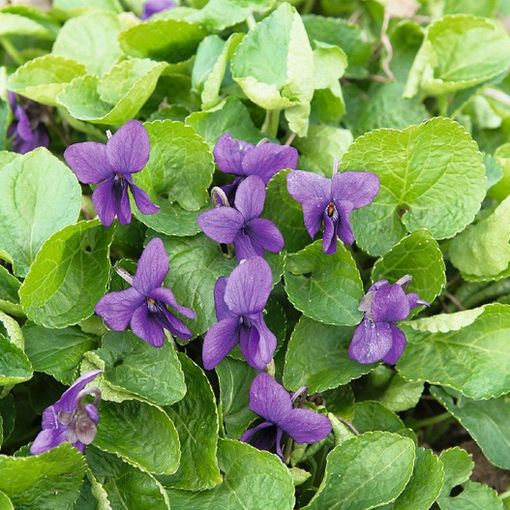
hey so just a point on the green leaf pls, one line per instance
(473, 497)
(50, 481)
(137, 367)
(476, 7)
(371, 415)
(119, 485)
(141, 434)
(425, 484)
(274, 66)
(327, 346)
(286, 213)
(9, 286)
(75, 7)
(56, 352)
(5, 502)
(177, 177)
(321, 147)
(473, 360)
(19, 25)
(339, 32)
(481, 252)
(43, 78)
(69, 275)
(114, 98)
(170, 40)
(446, 322)
(196, 263)
(235, 378)
(420, 181)
(92, 40)
(252, 479)
(15, 367)
(386, 108)
(451, 57)
(230, 116)
(418, 255)
(210, 66)
(502, 188)
(326, 288)
(38, 196)
(196, 421)
(485, 420)
(458, 466)
(365, 471)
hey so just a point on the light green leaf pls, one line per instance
(5, 502)
(38, 196)
(118, 485)
(425, 484)
(321, 147)
(19, 25)
(56, 352)
(75, 7)
(418, 255)
(196, 263)
(451, 57)
(327, 346)
(9, 286)
(235, 378)
(43, 78)
(386, 108)
(365, 471)
(253, 479)
(170, 40)
(69, 275)
(339, 32)
(11, 329)
(116, 97)
(50, 481)
(177, 177)
(15, 367)
(196, 421)
(482, 251)
(326, 288)
(473, 497)
(473, 360)
(230, 116)
(446, 322)
(476, 7)
(420, 181)
(213, 56)
(274, 66)
(502, 188)
(137, 367)
(485, 420)
(141, 434)
(92, 40)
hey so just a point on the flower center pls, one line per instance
(158, 311)
(80, 425)
(119, 187)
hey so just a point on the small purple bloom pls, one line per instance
(110, 166)
(28, 130)
(71, 419)
(144, 305)
(376, 337)
(240, 300)
(243, 159)
(151, 7)
(241, 224)
(330, 202)
(274, 403)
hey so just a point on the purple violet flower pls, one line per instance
(144, 305)
(110, 166)
(151, 7)
(71, 419)
(330, 202)
(240, 300)
(376, 337)
(241, 224)
(28, 130)
(243, 159)
(274, 403)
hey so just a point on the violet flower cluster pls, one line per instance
(151, 7)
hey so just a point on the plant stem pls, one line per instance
(12, 51)
(442, 103)
(433, 420)
(250, 21)
(308, 6)
(271, 123)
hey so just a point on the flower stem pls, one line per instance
(250, 21)
(433, 420)
(12, 51)
(271, 123)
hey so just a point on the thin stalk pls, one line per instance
(251, 22)
(271, 123)
(442, 103)
(12, 51)
(433, 420)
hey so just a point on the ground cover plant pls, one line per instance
(255, 254)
